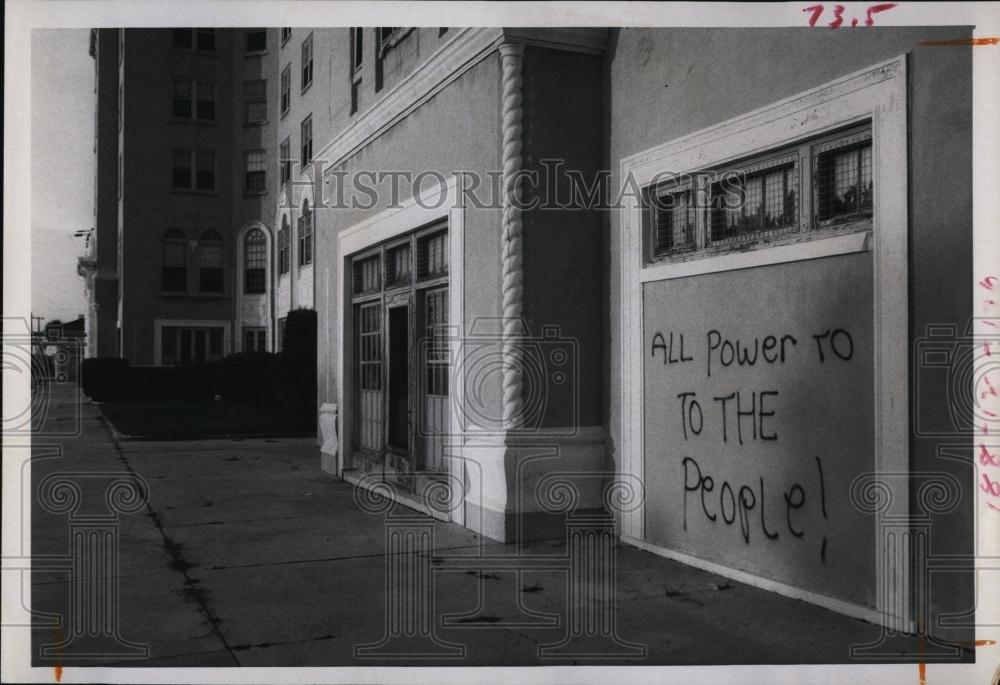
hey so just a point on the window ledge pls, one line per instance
(762, 254)
(255, 53)
(306, 88)
(256, 124)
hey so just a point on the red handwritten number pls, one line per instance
(838, 16)
(988, 282)
(816, 11)
(986, 458)
(875, 9)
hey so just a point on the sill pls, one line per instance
(255, 53)
(254, 193)
(255, 124)
(825, 244)
(305, 88)
(305, 267)
(211, 296)
(285, 113)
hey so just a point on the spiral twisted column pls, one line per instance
(511, 58)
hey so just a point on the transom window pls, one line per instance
(792, 193)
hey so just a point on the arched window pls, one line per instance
(210, 273)
(174, 261)
(305, 235)
(284, 246)
(255, 262)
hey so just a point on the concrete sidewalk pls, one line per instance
(246, 554)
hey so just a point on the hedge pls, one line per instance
(104, 378)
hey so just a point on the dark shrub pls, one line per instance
(104, 378)
(158, 383)
(246, 378)
(294, 379)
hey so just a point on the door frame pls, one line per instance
(435, 204)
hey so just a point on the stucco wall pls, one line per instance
(670, 82)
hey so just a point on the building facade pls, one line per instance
(184, 150)
(562, 271)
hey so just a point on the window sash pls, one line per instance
(255, 40)
(307, 62)
(306, 135)
(286, 89)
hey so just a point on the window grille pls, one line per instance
(756, 201)
(255, 98)
(255, 171)
(437, 350)
(366, 275)
(398, 269)
(255, 262)
(673, 220)
(210, 268)
(844, 188)
(432, 255)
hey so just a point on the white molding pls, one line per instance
(840, 606)
(878, 93)
(761, 255)
(434, 204)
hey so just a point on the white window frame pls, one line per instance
(431, 206)
(878, 94)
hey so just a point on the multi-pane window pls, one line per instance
(306, 136)
(254, 339)
(397, 265)
(286, 33)
(184, 345)
(255, 99)
(193, 170)
(673, 220)
(255, 262)
(284, 246)
(432, 255)
(305, 235)
(807, 186)
(754, 202)
(286, 89)
(255, 40)
(844, 188)
(370, 377)
(202, 39)
(210, 270)
(194, 99)
(255, 181)
(307, 62)
(174, 274)
(285, 160)
(436, 361)
(367, 275)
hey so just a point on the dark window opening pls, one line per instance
(256, 40)
(255, 262)
(399, 378)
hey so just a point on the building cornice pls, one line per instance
(463, 51)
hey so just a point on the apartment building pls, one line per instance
(184, 202)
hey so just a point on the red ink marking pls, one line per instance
(986, 379)
(990, 487)
(854, 22)
(875, 9)
(989, 413)
(59, 640)
(838, 16)
(989, 323)
(986, 346)
(957, 42)
(986, 458)
(990, 302)
(989, 280)
(816, 11)
(990, 505)
(921, 667)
